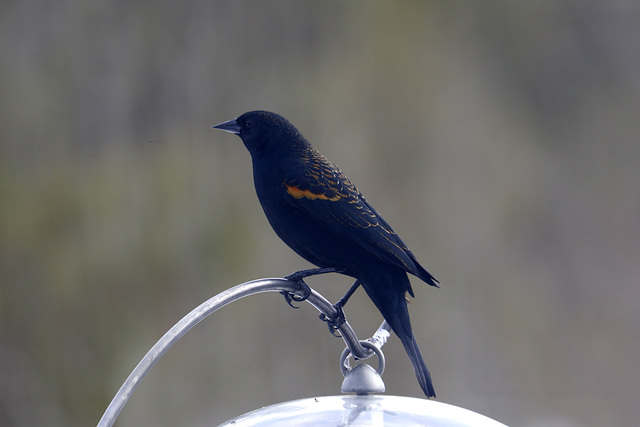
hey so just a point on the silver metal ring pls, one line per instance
(344, 364)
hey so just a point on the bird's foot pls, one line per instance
(336, 321)
(299, 275)
(299, 296)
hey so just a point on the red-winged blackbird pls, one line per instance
(319, 213)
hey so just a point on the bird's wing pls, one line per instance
(317, 187)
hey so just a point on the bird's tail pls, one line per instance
(399, 320)
(389, 298)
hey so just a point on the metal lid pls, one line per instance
(369, 410)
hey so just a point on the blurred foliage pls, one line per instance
(500, 139)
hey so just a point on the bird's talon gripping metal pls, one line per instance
(333, 327)
(336, 321)
(304, 293)
(288, 299)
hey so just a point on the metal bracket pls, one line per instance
(210, 306)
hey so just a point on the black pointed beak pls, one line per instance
(231, 126)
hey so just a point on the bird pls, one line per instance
(316, 210)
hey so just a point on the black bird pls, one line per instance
(315, 209)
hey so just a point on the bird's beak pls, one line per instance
(230, 126)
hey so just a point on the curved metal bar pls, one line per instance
(200, 313)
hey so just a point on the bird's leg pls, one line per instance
(299, 275)
(335, 322)
(305, 290)
(343, 301)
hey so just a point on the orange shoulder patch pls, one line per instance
(297, 193)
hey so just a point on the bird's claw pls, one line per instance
(304, 293)
(288, 299)
(334, 322)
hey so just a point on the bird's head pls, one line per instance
(264, 133)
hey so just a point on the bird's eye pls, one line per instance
(248, 124)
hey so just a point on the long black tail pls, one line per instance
(411, 347)
(388, 294)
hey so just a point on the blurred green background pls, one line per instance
(500, 139)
